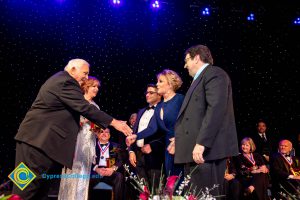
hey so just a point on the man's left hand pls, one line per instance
(198, 154)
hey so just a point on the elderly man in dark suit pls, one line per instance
(205, 132)
(285, 171)
(47, 136)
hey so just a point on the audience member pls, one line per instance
(132, 120)
(263, 141)
(285, 171)
(231, 183)
(252, 172)
(108, 164)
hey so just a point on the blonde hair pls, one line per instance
(172, 77)
(252, 144)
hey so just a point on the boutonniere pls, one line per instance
(115, 150)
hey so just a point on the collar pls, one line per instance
(200, 70)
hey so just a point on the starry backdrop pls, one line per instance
(128, 45)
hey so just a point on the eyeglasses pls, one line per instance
(187, 59)
(149, 92)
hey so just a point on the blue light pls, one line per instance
(155, 4)
(205, 11)
(251, 17)
(297, 21)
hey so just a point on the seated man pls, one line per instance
(231, 183)
(108, 164)
(285, 171)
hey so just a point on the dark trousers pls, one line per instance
(207, 174)
(116, 180)
(232, 189)
(39, 163)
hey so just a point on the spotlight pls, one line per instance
(250, 17)
(116, 2)
(155, 4)
(297, 21)
(205, 11)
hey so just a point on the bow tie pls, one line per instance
(150, 107)
(103, 145)
(287, 155)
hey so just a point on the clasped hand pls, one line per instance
(130, 139)
(261, 169)
(105, 171)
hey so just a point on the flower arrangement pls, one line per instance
(167, 191)
(10, 197)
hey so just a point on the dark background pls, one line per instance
(128, 45)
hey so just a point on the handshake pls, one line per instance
(130, 139)
(121, 126)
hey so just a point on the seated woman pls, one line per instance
(252, 171)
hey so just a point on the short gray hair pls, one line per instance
(77, 62)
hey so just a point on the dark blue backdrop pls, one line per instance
(127, 46)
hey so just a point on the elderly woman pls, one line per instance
(252, 171)
(164, 118)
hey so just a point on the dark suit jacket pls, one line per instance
(52, 123)
(263, 147)
(280, 170)
(206, 117)
(155, 159)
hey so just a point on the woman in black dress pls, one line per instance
(252, 172)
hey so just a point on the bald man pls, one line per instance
(47, 136)
(285, 170)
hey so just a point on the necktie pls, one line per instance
(264, 137)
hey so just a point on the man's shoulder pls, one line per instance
(215, 70)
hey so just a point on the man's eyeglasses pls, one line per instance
(149, 92)
(187, 59)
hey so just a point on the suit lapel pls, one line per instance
(190, 91)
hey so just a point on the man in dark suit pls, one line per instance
(263, 141)
(108, 165)
(47, 136)
(205, 132)
(147, 155)
(285, 171)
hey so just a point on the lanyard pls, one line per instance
(103, 150)
(250, 158)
